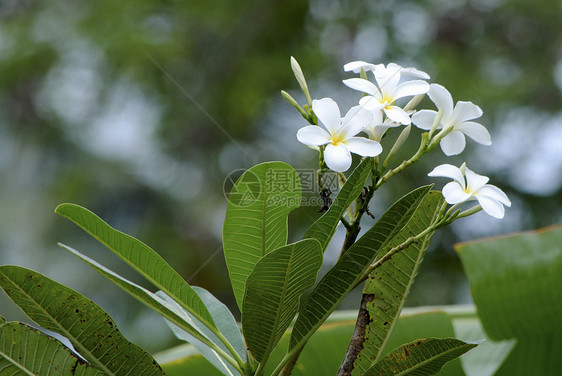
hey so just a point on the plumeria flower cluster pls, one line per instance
(390, 96)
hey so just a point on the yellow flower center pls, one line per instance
(336, 139)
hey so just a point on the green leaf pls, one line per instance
(209, 353)
(226, 323)
(325, 227)
(514, 282)
(273, 292)
(89, 328)
(139, 256)
(144, 296)
(388, 286)
(421, 357)
(256, 218)
(27, 351)
(425, 322)
(343, 277)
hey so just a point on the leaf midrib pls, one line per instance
(435, 357)
(18, 365)
(281, 299)
(66, 333)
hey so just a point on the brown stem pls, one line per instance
(358, 338)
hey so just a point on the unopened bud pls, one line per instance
(300, 79)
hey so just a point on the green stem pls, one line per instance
(421, 150)
(229, 346)
(442, 220)
(289, 357)
(345, 222)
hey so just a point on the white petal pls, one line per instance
(356, 119)
(356, 66)
(448, 171)
(465, 111)
(424, 119)
(491, 206)
(313, 135)
(495, 193)
(453, 143)
(363, 146)
(414, 72)
(376, 118)
(397, 114)
(328, 113)
(474, 181)
(361, 85)
(454, 194)
(370, 103)
(408, 88)
(379, 130)
(476, 131)
(387, 78)
(337, 157)
(442, 99)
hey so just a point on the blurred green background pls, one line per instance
(138, 110)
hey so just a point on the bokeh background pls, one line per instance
(139, 109)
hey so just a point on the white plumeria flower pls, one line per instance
(388, 89)
(457, 118)
(339, 139)
(468, 185)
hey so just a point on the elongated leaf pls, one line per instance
(341, 279)
(421, 357)
(144, 296)
(210, 354)
(256, 218)
(388, 286)
(139, 256)
(182, 323)
(89, 328)
(27, 351)
(273, 293)
(226, 323)
(325, 226)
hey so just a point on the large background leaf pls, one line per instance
(273, 292)
(388, 286)
(515, 282)
(325, 226)
(141, 257)
(343, 276)
(27, 351)
(88, 327)
(256, 218)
